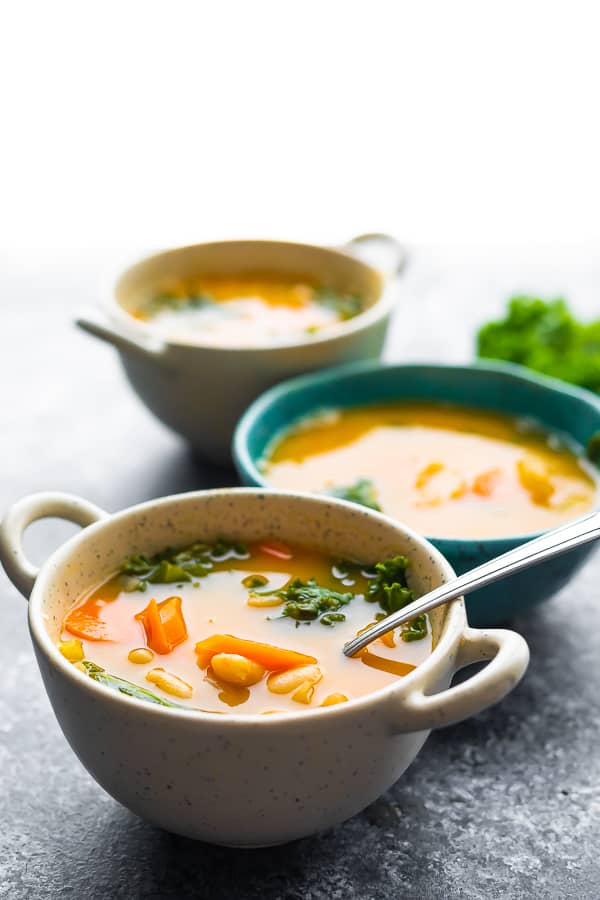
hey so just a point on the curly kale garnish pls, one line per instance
(389, 586)
(306, 601)
(545, 336)
(361, 492)
(390, 589)
(415, 630)
(176, 566)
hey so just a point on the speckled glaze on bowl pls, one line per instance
(200, 390)
(496, 386)
(233, 779)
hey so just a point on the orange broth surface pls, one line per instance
(447, 471)
(246, 309)
(218, 604)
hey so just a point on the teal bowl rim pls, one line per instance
(246, 465)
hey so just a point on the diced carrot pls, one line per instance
(274, 659)
(84, 621)
(276, 549)
(173, 621)
(426, 474)
(164, 624)
(155, 633)
(485, 483)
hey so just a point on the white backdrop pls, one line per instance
(134, 125)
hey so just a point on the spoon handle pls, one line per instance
(550, 544)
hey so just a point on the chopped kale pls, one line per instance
(174, 566)
(306, 601)
(344, 304)
(97, 673)
(415, 630)
(389, 586)
(171, 302)
(361, 492)
(224, 549)
(390, 589)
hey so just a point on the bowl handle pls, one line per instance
(45, 505)
(94, 322)
(508, 654)
(382, 251)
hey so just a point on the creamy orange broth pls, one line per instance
(217, 604)
(447, 471)
(246, 309)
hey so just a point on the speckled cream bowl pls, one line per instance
(201, 389)
(234, 779)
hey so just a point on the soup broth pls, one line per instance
(446, 471)
(256, 629)
(246, 309)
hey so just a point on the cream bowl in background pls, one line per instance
(248, 780)
(200, 390)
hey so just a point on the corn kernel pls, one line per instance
(169, 683)
(284, 682)
(140, 655)
(72, 650)
(80, 666)
(332, 699)
(485, 482)
(234, 668)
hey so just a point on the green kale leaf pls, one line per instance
(545, 336)
(390, 589)
(97, 673)
(361, 492)
(169, 302)
(306, 601)
(175, 566)
(345, 305)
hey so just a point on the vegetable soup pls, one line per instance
(446, 471)
(246, 309)
(250, 629)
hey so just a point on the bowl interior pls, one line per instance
(505, 388)
(339, 528)
(328, 267)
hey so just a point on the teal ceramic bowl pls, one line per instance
(497, 386)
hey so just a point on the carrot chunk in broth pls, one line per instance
(164, 624)
(272, 658)
(85, 622)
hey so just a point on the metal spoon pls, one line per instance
(550, 544)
